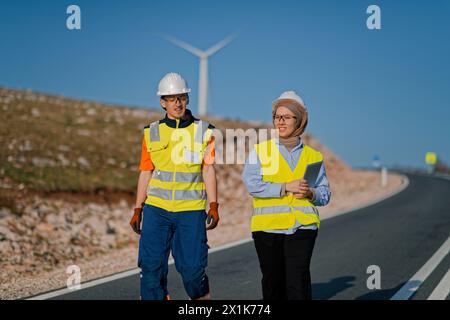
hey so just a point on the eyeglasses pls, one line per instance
(182, 98)
(286, 118)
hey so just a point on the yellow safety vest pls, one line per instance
(281, 213)
(177, 154)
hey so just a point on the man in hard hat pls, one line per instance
(177, 177)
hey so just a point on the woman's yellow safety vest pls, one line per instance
(281, 213)
(177, 154)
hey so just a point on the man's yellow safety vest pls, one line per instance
(283, 212)
(177, 152)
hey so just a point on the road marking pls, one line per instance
(230, 245)
(442, 290)
(413, 284)
(123, 274)
(88, 284)
(134, 271)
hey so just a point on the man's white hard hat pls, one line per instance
(172, 83)
(291, 95)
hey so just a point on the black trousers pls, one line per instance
(284, 261)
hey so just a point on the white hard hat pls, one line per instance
(172, 83)
(291, 95)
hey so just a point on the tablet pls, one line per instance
(312, 173)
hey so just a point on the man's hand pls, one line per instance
(135, 222)
(213, 214)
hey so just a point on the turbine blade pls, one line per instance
(186, 46)
(220, 45)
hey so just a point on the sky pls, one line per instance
(379, 92)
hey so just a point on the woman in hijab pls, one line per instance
(285, 219)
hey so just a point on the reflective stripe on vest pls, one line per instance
(167, 176)
(159, 192)
(202, 126)
(284, 209)
(154, 131)
(166, 194)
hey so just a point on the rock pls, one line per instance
(5, 212)
(45, 228)
(64, 161)
(7, 234)
(83, 161)
(42, 162)
(91, 112)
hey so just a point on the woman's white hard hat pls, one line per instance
(291, 95)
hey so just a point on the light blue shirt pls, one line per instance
(264, 189)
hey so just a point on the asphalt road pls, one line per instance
(399, 234)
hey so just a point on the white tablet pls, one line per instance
(312, 173)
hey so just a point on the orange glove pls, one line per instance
(213, 214)
(135, 222)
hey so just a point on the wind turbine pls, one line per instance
(203, 70)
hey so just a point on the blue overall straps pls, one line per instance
(183, 233)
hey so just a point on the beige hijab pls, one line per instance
(301, 122)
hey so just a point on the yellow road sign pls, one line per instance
(431, 158)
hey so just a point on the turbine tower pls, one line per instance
(203, 70)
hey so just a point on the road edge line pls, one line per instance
(442, 289)
(413, 284)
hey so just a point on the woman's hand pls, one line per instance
(299, 188)
(293, 186)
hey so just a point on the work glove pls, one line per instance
(135, 222)
(213, 216)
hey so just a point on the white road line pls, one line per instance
(413, 284)
(121, 275)
(443, 288)
(88, 284)
(131, 272)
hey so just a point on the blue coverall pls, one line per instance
(183, 233)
